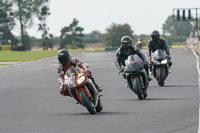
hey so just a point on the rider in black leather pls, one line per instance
(127, 49)
(158, 43)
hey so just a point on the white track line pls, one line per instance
(198, 70)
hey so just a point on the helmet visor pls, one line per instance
(155, 37)
(125, 44)
(63, 60)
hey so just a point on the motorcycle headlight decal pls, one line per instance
(156, 62)
(80, 74)
(164, 61)
(81, 80)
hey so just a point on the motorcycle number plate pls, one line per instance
(70, 79)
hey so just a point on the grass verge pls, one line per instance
(18, 56)
(12, 56)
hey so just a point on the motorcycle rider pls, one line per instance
(124, 51)
(65, 62)
(158, 43)
(139, 43)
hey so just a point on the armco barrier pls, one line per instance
(111, 48)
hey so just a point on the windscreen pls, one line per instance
(71, 71)
(159, 54)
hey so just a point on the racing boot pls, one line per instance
(94, 82)
(150, 69)
(150, 72)
(127, 85)
(149, 78)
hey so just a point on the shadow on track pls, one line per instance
(176, 86)
(166, 99)
(98, 113)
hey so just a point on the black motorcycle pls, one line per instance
(136, 76)
(160, 66)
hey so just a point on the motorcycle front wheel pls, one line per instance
(87, 102)
(161, 77)
(138, 88)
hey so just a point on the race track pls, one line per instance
(30, 101)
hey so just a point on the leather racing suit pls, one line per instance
(159, 44)
(122, 55)
(62, 69)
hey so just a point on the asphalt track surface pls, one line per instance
(30, 101)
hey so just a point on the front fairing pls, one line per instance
(156, 62)
(74, 77)
(70, 78)
(133, 67)
(133, 64)
(158, 57)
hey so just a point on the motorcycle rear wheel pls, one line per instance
(99, 106)
(87, 102)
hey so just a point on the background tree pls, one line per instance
(178, 31)
(93, 37)
(47, 38)
(115, 32)
(25, 12)
(71, 36)
(7, 21)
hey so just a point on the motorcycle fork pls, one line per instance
(86, 91)
(131, 83)
(140, 78)
(141, 81)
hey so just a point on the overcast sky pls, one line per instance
(143, 16)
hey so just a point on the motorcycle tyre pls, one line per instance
(87, 102)
(138, 89)
(161, 78)
(99, 106)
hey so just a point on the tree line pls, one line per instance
(72, 36)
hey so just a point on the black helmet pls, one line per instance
(63, 56)
(155, 35)
(126, 42)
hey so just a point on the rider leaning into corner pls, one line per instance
(158, 43)
(65, 62)
(124, 51)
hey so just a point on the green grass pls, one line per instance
(9, 56)
(18, 56)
